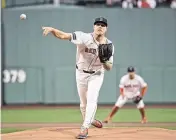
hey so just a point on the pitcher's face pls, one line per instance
(100, 28)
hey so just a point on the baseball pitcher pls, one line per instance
(132, 87)
(94, 56)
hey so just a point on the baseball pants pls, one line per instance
(88, 86)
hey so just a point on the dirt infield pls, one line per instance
(69, 133)
(77, 125)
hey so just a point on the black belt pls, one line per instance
(85, 71)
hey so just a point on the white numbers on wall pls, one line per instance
(6, 78)
(13, 76)
(21, 76)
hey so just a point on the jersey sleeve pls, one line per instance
(122, 82)
(111, 59)
(142, 82)
(78, 37)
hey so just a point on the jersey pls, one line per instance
(132, 86)
(87, 51)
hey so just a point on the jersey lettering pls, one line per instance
(90, 50)
(131, 86)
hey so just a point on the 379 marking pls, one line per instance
(13, 76)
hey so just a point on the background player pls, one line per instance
(89, 68)
(130, 85)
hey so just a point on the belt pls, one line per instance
(85, 71)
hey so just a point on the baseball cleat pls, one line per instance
(107, 121)
(83, 134)
(97, 123)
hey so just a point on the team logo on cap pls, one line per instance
(131, 69)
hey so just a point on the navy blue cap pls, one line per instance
(130, 69)
(101, 20)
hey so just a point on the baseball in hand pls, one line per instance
(22, 16)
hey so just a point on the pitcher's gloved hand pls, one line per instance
(104, 52)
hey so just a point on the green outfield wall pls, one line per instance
(143, 38)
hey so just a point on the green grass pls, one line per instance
(11, 130)
(74, 115)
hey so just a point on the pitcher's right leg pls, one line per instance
(82, 88)
(82, 91)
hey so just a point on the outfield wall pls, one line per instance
(143, 38)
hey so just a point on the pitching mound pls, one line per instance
(55, 133)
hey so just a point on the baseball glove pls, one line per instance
(104, 52)
(137, 99)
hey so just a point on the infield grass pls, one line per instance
(74, 115)
(11, 130)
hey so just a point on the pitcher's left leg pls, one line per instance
(94, 86)
(141, 107)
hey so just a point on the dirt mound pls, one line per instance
(123, 133)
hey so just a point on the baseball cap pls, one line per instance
(101, 20)
(130, 69)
